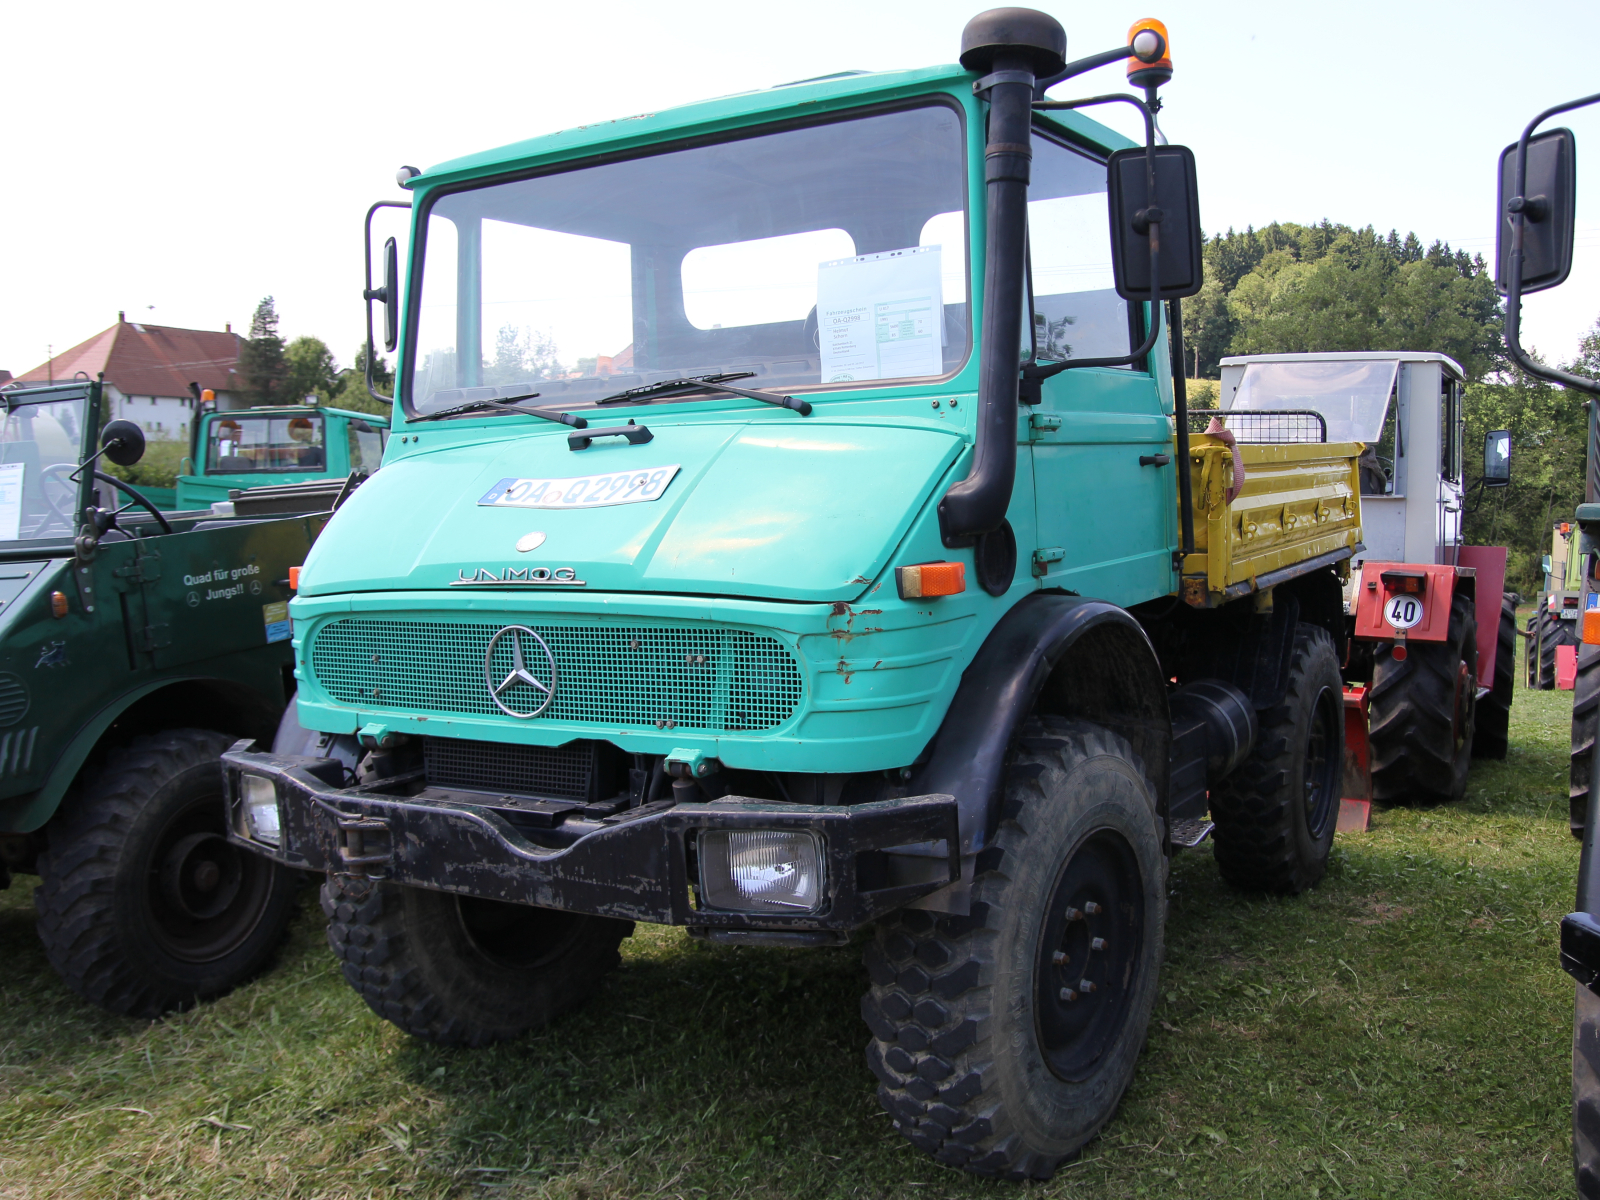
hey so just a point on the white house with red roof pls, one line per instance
(148, 370)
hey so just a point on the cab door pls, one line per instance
(1104, 479)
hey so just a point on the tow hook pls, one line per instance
(364, 842)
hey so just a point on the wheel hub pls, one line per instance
(201, 875)
(1089, 951)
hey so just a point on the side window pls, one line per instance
(1450, 432)
(366, 447)
(1076, 310)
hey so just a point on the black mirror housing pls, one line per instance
(1548, 207)
(391, 295)
(122, 442)
(1177, 197)
(1497, 458)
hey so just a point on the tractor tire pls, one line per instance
(1275, 815)
(1423, 712)
(1553, 632)
(1585, 728)
(461, 971)
(1586, 1094)
(1530, 651)
(982, 1058)
(1492, 733)
(144, 906)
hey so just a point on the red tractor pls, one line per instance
(1429, 681)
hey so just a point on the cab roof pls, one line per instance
(1451, 365)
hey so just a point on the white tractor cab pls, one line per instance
(1429, 677)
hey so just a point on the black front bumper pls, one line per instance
(636, 864)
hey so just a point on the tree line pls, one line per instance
(276, 372)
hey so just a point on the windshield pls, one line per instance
(38, 453)
(1351, 396)
(237, 444)
(831, 253)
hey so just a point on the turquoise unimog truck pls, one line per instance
(843, 559)
(275, 447)
(135, 647)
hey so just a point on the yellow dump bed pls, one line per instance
(1300, 507)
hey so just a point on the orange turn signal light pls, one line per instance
(294, 579)
(1406, 583)
(1591, 627)
(58, 605)
(928, 580)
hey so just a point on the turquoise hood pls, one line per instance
(785, 509)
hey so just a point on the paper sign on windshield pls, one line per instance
(881, 316)
(11, 477)
(583, 491)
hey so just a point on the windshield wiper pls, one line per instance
(709, 383)
(507, 404)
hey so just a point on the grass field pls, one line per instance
(1402, 1031)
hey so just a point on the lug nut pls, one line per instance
(1097, 943)
(1059, 958)
(1068, 995)
(1091, 907)
(1085, 986)
(1074, 914)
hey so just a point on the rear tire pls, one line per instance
(1552, 632)
(1423, 712)
(981, 1061)
(144, 906)
(1275, 815)
(1492, 733)
(1586, 1094)
(461, 971)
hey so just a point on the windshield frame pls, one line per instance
(757, 127)
(88, 435)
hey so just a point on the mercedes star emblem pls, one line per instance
(520, 676)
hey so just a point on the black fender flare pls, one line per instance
(1051, 653)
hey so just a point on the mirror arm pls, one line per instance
(369, 295)
(1514, 285)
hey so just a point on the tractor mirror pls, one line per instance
(122, 442)
(1175, 203)
(1497, 458)
(1548, 205)
(391, 295)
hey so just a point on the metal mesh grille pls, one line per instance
(664, 676)
(1263, 427)
(557, 771)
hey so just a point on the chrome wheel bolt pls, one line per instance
(1085, 986)
(1073, 914)
(1068, 995)
(1091, 907)
(1059, 958)
(1097, 943)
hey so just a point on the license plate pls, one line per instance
(582, 491)
(1569, 614)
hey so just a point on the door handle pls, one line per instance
(1154, 460)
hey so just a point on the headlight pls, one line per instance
(761, 871)
(260, 797)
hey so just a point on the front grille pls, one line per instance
(722, 680)
(559, 772)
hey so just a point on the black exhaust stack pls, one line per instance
(1013, 47)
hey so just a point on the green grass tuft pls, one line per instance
(1402, 1031)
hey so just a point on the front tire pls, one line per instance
(1492, 732)
(144, 906)
(982, 1060)
(1276, 814)
(462, 971)
(1423, 712)
(1586, 1094)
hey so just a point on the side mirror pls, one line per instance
(1548, 205)
(1497, 458)
(122, 442)
(391, 295)
(1175, 203)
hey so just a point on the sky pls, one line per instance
(179, 161)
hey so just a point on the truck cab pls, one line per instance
(274, 446)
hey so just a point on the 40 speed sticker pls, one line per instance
(1403, 611)
(582, 491)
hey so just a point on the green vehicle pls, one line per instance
(266, 447)
(135, 647)
(1554, 620)
(843, 559)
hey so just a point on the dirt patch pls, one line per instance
(1377, 910)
